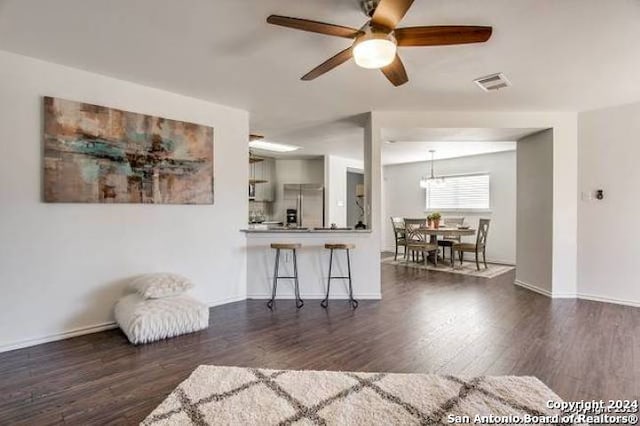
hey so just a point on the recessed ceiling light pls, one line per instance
(272, 146)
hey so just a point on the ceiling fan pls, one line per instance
(375, 43)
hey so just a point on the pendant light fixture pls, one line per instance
(426, 182)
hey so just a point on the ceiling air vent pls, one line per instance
(492, 82)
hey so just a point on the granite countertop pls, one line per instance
(305, 231)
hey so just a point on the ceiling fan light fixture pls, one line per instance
(374, 50)
(375, 43)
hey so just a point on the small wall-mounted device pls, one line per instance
(593, 195)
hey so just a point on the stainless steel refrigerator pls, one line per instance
(308, 202)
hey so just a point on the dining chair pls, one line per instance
(448, 240)
(417, 243)
(419, 222)
(400, 235)
(412, 224)
(479, 246)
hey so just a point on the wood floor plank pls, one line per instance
(428, 321)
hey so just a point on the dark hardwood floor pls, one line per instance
(427, 322)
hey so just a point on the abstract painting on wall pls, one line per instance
(95, 154)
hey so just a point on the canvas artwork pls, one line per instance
(95, 154)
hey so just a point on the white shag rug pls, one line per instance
(467, 267)
(244, 396)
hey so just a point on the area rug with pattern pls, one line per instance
(248, 396)
(467, 268)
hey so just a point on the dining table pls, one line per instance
(441, 231)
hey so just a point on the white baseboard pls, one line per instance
(316, 296)
(58, 336)
(557, 295)
(533, 288)
(226, 300)
(581, 296)
(96, 328)
(605, 299)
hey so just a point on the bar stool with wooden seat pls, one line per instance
(285, 246)
(347, 248)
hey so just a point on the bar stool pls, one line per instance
(285, 246)
(347, 248)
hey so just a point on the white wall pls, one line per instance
(565, 169)
(336, 188)
(534, 253)
(608, 232)
(62, 266)
(403, 197)
(373, 192)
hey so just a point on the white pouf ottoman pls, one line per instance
(159, 309)
(147, 320)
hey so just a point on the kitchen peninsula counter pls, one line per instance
(313, 263)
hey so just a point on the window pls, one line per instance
(466, 192)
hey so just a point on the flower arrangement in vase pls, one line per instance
(434, 220)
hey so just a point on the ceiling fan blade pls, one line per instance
(442, 35)
(395, 72)
(389, 13)
(313, 26)
(329, 64)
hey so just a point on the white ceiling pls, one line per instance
(411, 152)
(456, 135)
(559, 55)
(407, 145)
(413, 144)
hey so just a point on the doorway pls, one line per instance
(516, 167)
(355, 197)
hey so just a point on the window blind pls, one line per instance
(468, 192)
